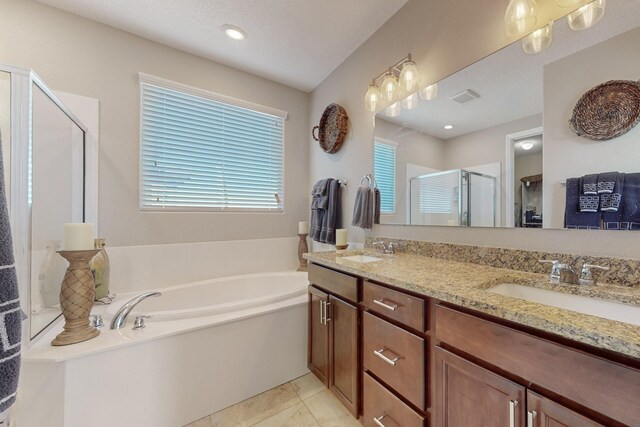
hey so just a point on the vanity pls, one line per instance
(411, 340)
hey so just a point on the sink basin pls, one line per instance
(361, 258)
(592, 306)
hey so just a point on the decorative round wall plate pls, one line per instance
(333, 128)
(607, 111)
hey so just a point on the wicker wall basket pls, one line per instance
(607, 111)
(333, 128)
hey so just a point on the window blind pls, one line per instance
(438, 193)
(384, 170)
(202, 154)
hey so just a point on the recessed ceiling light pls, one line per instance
(448, 127)
(527, 145)
(234, 32)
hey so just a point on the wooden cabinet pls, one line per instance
(396, 305)
(333, 352)
(381, 406)
(542, 412)
(468, 395)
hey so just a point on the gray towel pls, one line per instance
(377, 201)
(363, 209)
(573, 218)
(607, 182)
(10, 313)
(319, 205)
(628, 216)
(589, 184)
(331, 220)
(610, 202)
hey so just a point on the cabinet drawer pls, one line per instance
(337, 283)
(395, 305)
(604, 386)
(380, 402)
(395, 356)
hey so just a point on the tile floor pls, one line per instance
(303, 402)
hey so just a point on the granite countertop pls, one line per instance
(466, 284)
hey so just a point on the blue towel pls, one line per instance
(10, 313)
(610, 202)
(589, 184)
(628, 216)
(573, 218)
(607, 182)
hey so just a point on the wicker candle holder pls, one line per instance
(342, 247)
(302, 248)
(76, 298)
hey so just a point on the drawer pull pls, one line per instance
(512, 412)
(378, 420)
(385, 358)
(326, 312)
(381, 303)
(530, 416)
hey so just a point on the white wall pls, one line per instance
(443, 37)
(570, 155)
(80, 56)
(5, 128)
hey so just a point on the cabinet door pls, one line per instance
(318, 348)
(468, 395)
(542, 412)
(343, 324)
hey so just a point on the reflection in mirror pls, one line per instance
(5, 128)
(56, 199)
(487, 121)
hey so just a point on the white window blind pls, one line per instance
(199, 153)
(438, 193)
(384, 170)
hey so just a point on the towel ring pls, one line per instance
(368, 178)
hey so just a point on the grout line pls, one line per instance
(312, 416)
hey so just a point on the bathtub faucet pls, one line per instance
(120, 319)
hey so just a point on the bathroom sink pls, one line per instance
(361, 258)
(592, 306)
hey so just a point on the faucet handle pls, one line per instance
(139, 322)
(554, 275)
(586, 276)
(96, 321)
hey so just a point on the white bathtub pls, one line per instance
(209, 344)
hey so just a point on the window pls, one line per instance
(201, 151)
(384, 170)
(439, 192)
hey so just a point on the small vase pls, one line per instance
(100, 268)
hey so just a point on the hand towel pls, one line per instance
(10, 313)
(610, 202)
(362, 208)
(377, 201)
(589, 184)
(607, 182)
(319, 206)
(573, 218)
(628, 215)
(331, 220)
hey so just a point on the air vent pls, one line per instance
(464, 96)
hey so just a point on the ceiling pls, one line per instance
(509, 82)
(536, 149)
(294, 42)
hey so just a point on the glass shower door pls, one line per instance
(435, 199)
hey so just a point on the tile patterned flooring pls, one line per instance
(303, 402)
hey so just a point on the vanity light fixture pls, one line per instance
(521, 17)
(393, 110)
(373, 98)
(587, 16)
(566, 4)
(429, 92)
(409, 78)
(539, 40)
(389, 88)
(410, 102)
(234, 32)
(448, 127)
(527, 145)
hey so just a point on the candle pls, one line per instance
(78, 236)
(341, 237)
(303, 227)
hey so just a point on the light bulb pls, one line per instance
(409, 77)
(539, 40)
(234, 32)
(389, 88)
(410, 102)
(527, 145)
(587, 16)
(373, 98)
(429, 92)
(393, 110)
(520, 17)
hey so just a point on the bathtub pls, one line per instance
(208, 345)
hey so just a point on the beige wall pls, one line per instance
(83, 57)
(443, 36)
(570, 155)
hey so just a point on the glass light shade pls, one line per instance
(521, 17)
(410, 102)
(389, 88)
(539, 40)
(587, 15)
(393, 110)
(409, 77)
(566, 4)
(429, 92)
(372, 99)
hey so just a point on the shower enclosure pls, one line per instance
(455, 197)
(43, 146)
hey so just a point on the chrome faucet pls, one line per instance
(561, 273)
(385, 247)
(586, 276)
(120, 319)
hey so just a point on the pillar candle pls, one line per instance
(303, 227)
(341, 236)
(78, 236)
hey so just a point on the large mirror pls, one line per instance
(493, 147)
